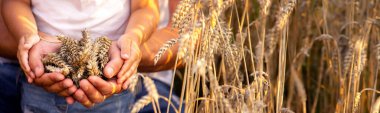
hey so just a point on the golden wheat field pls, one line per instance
(276, 56)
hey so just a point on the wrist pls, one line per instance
(33, 36)
(131, 36)
(48, 38)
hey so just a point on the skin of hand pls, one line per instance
(95, 89)
(51, 82)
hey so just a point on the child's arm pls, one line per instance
(20, 22)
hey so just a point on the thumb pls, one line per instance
(31, 40)
(125, 47)
(115, 63)
(35, 62)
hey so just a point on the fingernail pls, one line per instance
(59, 77)
(110, 70)
(31, 74)
(125, 86)
(125, 56)
(30, 80)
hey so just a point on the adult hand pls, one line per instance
(125, 56)
(94, 89)
(56, 83)
(51, 82)
(25, 44)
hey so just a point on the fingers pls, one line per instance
(68, 92)
(60, 86)
(133, 52)
(23, 55)
(23, 49)
(49, 79)
(81, 97)
(115, 63)
(105, 87)
(23, 58)
(123, 77)
(126, 84)
(91, 92)
(69, 100)
(35, 62)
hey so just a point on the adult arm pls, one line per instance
(8, 45)
(151, 47)
(21, 24)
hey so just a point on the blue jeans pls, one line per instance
(9, 88)
(164, 90)
(36, 100)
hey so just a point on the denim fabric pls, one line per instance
(9, 88)
(164, 90)
(36, 100)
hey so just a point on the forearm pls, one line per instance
(143, 20)
(19, 18)
(8, 45)
(150, 48)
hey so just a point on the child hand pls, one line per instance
(25, 44)
(131, 54)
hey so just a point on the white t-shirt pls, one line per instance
(70, 17)
(101, 17)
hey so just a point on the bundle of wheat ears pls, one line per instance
(79, 59)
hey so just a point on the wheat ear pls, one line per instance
(163, 49)
(141, 103)
(151, 88)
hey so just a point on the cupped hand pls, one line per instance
(57, 83)
(125, 57)
(51, 82)
(131, 55)
(96, 90)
